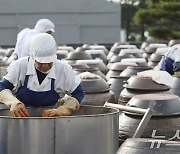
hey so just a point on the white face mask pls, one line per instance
(42, 71)
(45, 72)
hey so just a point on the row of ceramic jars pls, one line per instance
(117, 82)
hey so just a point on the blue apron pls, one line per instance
(34, 98)
(167, 65)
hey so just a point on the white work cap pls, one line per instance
(44, 25)
(43, 48)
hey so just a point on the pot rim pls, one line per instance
(113, 111)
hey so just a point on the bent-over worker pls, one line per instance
(41, 80)
(171, 61)
(24, 37)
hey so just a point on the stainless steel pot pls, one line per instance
(91, 130)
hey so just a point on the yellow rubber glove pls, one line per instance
(177, 74)
(70, 105)
(17, 108)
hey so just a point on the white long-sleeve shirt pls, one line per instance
(65, 79)
(24, 37)
(174, 53)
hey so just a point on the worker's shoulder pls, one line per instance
(24, 32)
(62, 64)
(21, 61)
(17, 65)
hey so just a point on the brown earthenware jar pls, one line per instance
(165, 119)
(97, 91)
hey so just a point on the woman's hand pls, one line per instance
(19, 110)
(60, 111)
(70, 105)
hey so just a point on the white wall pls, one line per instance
(77, 21)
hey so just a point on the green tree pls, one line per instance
(129, 8)
(128, 11)
(161, 19)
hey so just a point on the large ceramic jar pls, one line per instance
(78, 54)
(115, 69)
(165, 119)
(91, 70)
(175, 89)
(133, 70)
(97, 90)
(149, 146)
(140, 85)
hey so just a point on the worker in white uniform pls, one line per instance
(22, 47)
(171, 61)
(41, 80)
